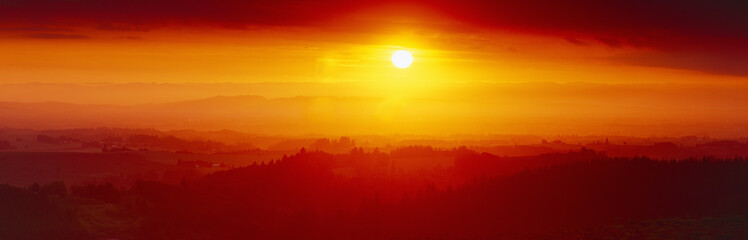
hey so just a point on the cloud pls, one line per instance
(35, 29)
(717, 28)
(57, 36)
(130, 38)
(579, 19)
(121, 28)
(610, 42)
(576, 41)
(726, 64)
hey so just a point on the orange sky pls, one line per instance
(465, 54)
(285, 54)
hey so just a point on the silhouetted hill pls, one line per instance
(301, 196)
(22, 168)
(36, 213)
(370, 195)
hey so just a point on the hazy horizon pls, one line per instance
(453, 108)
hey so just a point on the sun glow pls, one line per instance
(402, 59)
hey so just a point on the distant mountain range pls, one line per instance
(295, 115)
(344, 116)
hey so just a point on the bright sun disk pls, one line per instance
(402, 59)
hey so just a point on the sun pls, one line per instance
(402, 59)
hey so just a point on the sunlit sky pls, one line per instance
(61, 51)
(284, 54)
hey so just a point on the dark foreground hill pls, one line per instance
(358, 195)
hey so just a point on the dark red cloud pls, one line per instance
(121, 28)
(712, 28)
(576, 41)
(57, 36)
(612, 17)
(710, 36)
(35, 29)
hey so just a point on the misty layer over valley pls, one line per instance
(148, 184)
(375, 108)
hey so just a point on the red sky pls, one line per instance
(700, 35)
